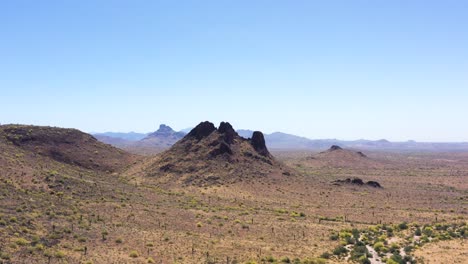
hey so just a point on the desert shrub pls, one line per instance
(59, 254)
(134, 254)
(150, 260)
(39, 247)
(397, 258)
(408, 249)
(350, 241)
(418, 232)
(358, 252)
(325, 255)
(364, 260)
(380, 247)
(4, 256)
(394, 248)
(285, 260)
(314, 261)
(270, 259)
(428, 231)
(345, 234)
(21, 242)
(340, 250)
(403, 226)
(334, 236)
(119, 240)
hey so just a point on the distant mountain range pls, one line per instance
(165, 137)
(130, 136)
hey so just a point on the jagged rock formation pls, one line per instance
(258, 142)
(208, 155)
(357, 182)
(202, 130)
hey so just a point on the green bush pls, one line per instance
(59, 254)
(340, 250)
(403, 226)
(21, 242)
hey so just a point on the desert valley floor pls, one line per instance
(67, 198)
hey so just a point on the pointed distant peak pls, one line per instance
(165, 128)
(335, 147)
(202, 130)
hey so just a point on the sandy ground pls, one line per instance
(452, 251)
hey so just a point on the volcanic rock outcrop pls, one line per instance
(209, 155)
(357, 182)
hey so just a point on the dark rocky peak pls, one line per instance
(228, 132)
(258, 143)
(202, 130)
(335, 147)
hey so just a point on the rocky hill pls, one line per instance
(337, 156)
(209, 155)
(69, 146)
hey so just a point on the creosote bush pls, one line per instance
(134, 254)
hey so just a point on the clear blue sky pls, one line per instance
(321, 69)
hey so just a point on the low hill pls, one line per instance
(68, 146)
(209, 155)
(336, 156)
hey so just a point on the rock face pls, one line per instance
(258, 142)
(202, 130)
(229, 132)
(210, 155)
